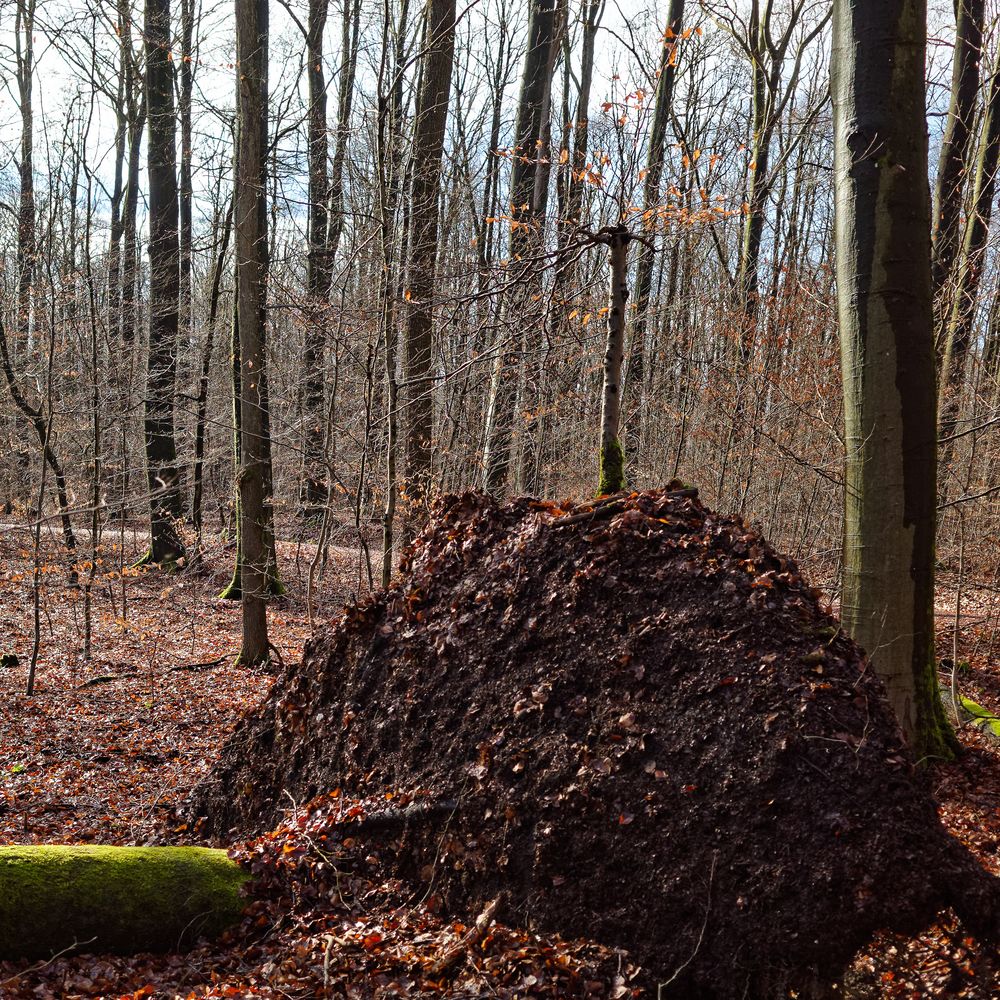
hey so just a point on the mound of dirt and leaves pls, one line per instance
(629, 719)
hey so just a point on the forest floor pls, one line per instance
(106, 749)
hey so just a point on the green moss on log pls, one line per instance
(114, 899)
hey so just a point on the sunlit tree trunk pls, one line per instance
(885, 310)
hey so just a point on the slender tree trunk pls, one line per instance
(956, 338)
(428, 149)
(24, 29)
(635, 374)
(350, 32)
(164, 289)
(885, 307)
(314, 489)
(252, 266)
(203, 381)
(611, 467)
(949, 192)
(186, 229)
(535, 83)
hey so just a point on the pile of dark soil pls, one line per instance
(654, 735)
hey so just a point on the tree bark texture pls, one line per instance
(164, 290)
(886, 330)
(252, 266)
(314, 489)
(428, 148)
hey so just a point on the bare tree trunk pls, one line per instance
(611, 468)
(164, 289)
(24, 28)
(636, 372)
(956, 337)
(314, 489)
(535, 83)
(252, 266)
(949, 192)
(885, 307)
(186, 72)
(206, 360)
(428, 148)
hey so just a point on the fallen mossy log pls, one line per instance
(114, 899)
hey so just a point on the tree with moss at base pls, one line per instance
(885, 308)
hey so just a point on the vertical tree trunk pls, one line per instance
(201, 414)
(350, 31)
(24, 28)
(956, 338)
(314, 490)
(252, 266)
(428, 147)
(885, 310)
(164, 289)
(535, 83)
(667, 73)
(949, 192)
(186, 71)
(611, 466)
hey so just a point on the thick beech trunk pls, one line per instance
(887, 346)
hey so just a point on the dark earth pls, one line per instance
(629, 719)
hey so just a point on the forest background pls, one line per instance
(389, 380)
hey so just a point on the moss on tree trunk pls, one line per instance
(114, 899)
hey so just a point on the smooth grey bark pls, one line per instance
(885, 309)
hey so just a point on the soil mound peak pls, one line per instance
(652, 733)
